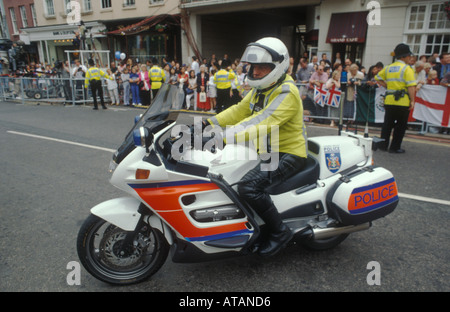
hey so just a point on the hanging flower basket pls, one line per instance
(447, 9)
(160, 28)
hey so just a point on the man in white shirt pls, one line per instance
(195, 66)
(79, 72)
(419, 74)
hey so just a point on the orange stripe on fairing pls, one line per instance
(165, 200)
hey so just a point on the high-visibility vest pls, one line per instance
(223, 79)
(398, 76)
(157, 76)
(94, 73)
(282, 108)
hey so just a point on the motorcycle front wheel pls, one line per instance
(99, 247)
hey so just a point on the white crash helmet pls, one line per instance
(270, 51)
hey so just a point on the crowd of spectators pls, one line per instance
(196, 79)
(434, 70)
(131, 80)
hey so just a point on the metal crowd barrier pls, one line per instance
(68, 91)
(321, 114)
(71, 91)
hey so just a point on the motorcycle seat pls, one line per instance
(309, 175)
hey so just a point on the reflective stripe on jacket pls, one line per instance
(282, 107)
(157, 76)
(94, 73)
(223, 79)
(398, 76)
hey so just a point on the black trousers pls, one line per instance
(395, 117)
(154, 92)
(223, 99)
(67, 90)
(145, 97)
(252, 187)
(96, 88)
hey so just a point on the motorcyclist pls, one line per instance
(273, 101)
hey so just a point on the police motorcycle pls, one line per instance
(188, 206)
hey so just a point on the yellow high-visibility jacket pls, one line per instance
(223, 78)
(282, 108)
(398, 76)
(157, 76)
(94, 73)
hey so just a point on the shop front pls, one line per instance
(153, 37)
(53, 41)
(347, 34)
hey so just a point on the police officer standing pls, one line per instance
(157, 77)
(223, 79)
(93, 77)
(398, 79)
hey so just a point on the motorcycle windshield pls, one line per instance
(168, 102)
(165, 106)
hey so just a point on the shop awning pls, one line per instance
(146, 24)
(348, 27)
(312, 35)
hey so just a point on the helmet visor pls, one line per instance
(255, 54)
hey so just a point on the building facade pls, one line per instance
(20, 14)
(59, 20)
(362, 30)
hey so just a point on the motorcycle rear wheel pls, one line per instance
(99, 247)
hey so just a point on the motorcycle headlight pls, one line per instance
(112, 166)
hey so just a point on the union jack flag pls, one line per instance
(320, 95)
(333, 97)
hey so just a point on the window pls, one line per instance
(23, 15)
(2, 25)
(49, 8)
(87, 5)
(414, 43)
(427, 29)
(12, 14)
(128, 3)
(417, 17)
(156, 1)
(67, 7)
(437, 44)
(33, 15)
(438, 17)
(106, 4)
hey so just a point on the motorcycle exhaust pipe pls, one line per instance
(330, 232)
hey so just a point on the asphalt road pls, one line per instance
(47, 188)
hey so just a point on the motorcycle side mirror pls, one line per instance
(137, 118)
(142, 137)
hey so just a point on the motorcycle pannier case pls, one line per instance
(363, 195)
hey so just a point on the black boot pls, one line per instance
(280, 233)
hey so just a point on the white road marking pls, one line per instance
(63, 141)
(425, 199)
(402, 195)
